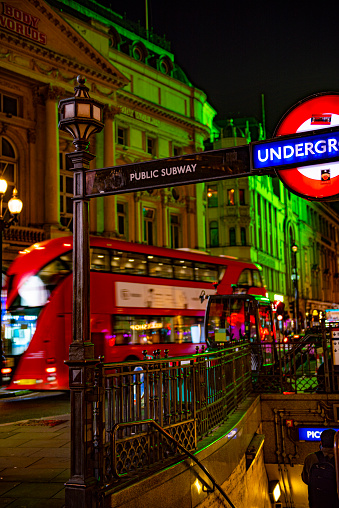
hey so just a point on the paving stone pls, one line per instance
(19, 452)
(30, 474)
(36, 490)
(5, 487)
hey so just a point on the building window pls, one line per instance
(122, 218)
(212, 196)
(176, 151)
(232, 237)
(175, 231)
(241, 196)
(151, 145)
(243, 236)
(276, 186)
(66, 191)
(121, 136)
(175, 194)
(230, 195)
(149, 221)
(214, 234)
(9, 105)
(8, 168)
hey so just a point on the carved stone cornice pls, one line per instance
(48, 92)
(159, 111)
(110, 112)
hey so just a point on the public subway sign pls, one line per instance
(311, 433)
(319, 182)
(303, 150)
(180, 170)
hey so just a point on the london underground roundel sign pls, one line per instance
(319, 182)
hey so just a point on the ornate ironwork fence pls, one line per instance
(300, 366)
(187, 396)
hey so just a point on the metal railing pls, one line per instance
(301, 366)
(187, 397)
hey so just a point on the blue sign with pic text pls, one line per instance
(299, 150)
(310, 433)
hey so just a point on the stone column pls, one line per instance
(52, 184)
(110, 215)
(164, 234)
(32, 213)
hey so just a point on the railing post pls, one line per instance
(326, 362)
(336, 458)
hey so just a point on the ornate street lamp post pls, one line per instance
(294, 249)
(14, 207)
(81, 117)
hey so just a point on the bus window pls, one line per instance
(99, 259)
(205, 272)
(35, 291)
(142, 330)
(245, 278)
(130, 263)
(183, 269)
(257, 282)
(160, 267)
(219, 320)
(19, 330)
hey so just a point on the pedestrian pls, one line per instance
(320, 475)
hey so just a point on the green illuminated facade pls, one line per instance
(151, 111)
(258, 219)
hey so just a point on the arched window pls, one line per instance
(232, 237)
(214, 234)
(8, 167)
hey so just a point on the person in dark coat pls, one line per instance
(326, 495)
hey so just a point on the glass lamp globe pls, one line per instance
(3, 186)
(15, 204)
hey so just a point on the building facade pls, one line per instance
(258, 219)
(151, 111)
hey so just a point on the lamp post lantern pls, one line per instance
(81, 116)
(294, 249)
(14, 207)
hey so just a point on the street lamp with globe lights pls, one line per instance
(294, 249)
(14, 207)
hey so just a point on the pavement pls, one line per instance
(34, 462)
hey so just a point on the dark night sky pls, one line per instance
(235, 52)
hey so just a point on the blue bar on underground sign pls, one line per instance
(314, 149)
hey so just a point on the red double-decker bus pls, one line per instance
(142, 297)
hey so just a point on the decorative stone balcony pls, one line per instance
(24, 236)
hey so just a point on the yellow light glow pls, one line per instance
(198, 485)
(276, 492)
